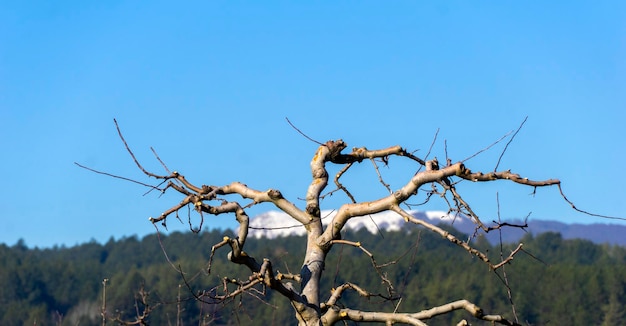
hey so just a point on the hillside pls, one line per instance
(63, 286)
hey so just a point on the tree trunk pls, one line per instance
(309, 313)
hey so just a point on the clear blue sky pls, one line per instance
(208, 84)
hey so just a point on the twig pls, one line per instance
(432, 144)
(119, 132)
(380, 177)
(377, 267)
(585, 212)
(534, 257)
(340, 186)
(509, 142)
(338, 265)
(119, 177)
(160, 161)
(301, 133)
(103, 311)
(506, 282)
(445, 150)
(405, 281)
(288, 226)
(165, 251)
(486, 148)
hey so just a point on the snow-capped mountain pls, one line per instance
(274, 224)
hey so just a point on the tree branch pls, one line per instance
(209, 199)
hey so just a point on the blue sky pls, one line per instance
(208, 84)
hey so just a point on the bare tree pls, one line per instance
(310, 304)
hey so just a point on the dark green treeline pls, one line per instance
(567, 282)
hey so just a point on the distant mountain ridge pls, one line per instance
(597, 233)
(275, 224)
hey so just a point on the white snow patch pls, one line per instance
(275, 224)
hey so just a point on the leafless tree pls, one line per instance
(310, 304)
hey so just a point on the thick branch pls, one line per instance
(334, 315)
(359, 154)
(320, 176)
(198, 195)
(506, 175)
(272, 196)
(348, 211)
(432, 174)
(473, 309)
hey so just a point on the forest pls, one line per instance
(574, 281)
